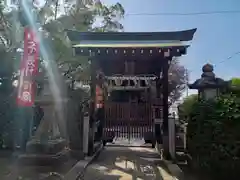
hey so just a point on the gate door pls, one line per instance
(127, 120)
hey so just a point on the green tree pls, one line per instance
(213, 136)
(235, 82)
(185, 109)
(9, 41)
(235, 87)
(81, 16)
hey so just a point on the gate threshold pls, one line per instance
(128, 145)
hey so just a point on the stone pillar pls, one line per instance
(75, 122)
(158, 120)
(23, 125)
(92, 107)
(157, 112)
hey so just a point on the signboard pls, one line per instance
(28, 69)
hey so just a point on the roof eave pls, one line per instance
(76, 36)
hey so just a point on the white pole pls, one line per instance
(187, 77)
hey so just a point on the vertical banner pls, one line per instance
(28, 69)
(99, 90)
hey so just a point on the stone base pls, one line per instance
(166, 153)
(76, 154)
(51, 147)
(96, 147)
(44, 159)
(51, 153)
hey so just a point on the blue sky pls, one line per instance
(217, 37)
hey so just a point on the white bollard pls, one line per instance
(185, 137)
(172, 136)
(85, 134)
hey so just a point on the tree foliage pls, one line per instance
(177, 80)
(51, 21)
(53, 18)
(81, 16)
(213, 136)
(185, 109)
(235, 82)
(233, 87)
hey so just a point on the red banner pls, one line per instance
(99, 97)
(28, 69)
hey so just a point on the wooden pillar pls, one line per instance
(157, 68)
(92, 105)
(99, 134)
(158, 132)
(165, 108)
(100, 109)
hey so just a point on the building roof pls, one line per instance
(134, 43)
(76, 36)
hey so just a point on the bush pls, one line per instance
(213, 136)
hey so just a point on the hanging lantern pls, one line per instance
(135, 82)
(147, 82)
(118, 82)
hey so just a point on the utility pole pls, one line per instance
(187, 81)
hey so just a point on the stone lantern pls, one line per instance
(208, 86)
(48, 144)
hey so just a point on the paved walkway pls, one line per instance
(127, 163)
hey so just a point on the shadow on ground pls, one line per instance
(127, 163)
(10, 170)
